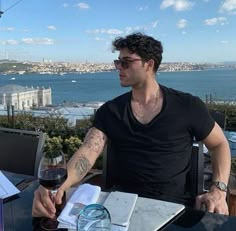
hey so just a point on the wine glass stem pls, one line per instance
(52, 196)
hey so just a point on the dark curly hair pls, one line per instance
(145, 46)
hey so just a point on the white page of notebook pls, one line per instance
(7, 189)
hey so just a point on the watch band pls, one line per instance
(220, 185)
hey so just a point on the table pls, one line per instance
(17, 216)
(195, 220)
(149, 214)
(17, 210)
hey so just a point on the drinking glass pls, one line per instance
(52, 173)
(94, 217)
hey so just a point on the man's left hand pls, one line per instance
(213, 201)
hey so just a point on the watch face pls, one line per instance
(221, 185)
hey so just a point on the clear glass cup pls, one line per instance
(94, 217)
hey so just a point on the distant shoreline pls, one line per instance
(63, 68)
(79, 73)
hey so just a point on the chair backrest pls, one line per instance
(219, 117)
(195, 176)
(21, 150)
(109, 166)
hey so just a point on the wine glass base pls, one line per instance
(49, 224)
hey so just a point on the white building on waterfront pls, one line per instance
(24, 97)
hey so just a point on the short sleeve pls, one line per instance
(99, 121)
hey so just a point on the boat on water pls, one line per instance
(62, 73)
(12, 78)
(73, 81)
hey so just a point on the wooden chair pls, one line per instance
(20, 150)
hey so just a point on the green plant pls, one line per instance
(71, 145)
(233, 165)
(53, 146)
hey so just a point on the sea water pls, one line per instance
(103, 86)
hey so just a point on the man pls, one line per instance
(152, 128)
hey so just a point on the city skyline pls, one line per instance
(190, 31)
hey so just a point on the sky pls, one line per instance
(78, 31)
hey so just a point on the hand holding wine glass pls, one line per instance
(52, 173)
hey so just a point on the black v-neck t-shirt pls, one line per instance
(153, 159)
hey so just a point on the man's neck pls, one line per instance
(146, 94)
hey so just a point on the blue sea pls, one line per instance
(221, 84)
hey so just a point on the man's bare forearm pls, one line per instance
(221, 162)
(82, 165)
(85, 157)
(218, 146)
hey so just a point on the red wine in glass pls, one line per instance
(53, 178)
(52, 173)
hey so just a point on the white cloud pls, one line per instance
(96, 31)
(103, 31)
(184, 32)
(38, 41)
(178, 5)
(25, 30)
(51, 27)
(224, 42)
(114, 31)
(228, 6)
(154, 24)
(9, 42)
(9, 29)
(128, 29)
(181, 23)
(215, 21)
(82, 5)
(142, 8)
(99, 39)
(140, 28)
(65, 5)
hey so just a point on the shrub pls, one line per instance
(53, 146)
(71, 145)
(233, 166)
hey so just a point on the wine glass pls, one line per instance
(52, 173)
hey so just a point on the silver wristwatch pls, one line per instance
(220, 185)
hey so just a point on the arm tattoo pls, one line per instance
(82, 165)
(94, 140)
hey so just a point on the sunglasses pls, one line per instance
(124, 63)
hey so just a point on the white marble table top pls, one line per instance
(149, 214)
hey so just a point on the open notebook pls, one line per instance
(7, 189)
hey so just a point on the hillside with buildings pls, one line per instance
(15, 67)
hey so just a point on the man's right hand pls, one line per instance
(43, 206)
